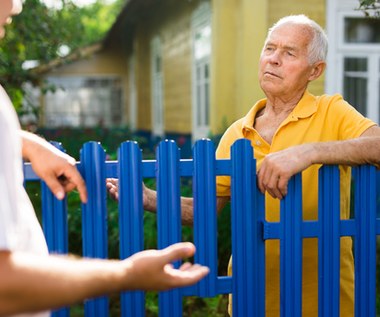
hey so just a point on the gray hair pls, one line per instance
(317, 49)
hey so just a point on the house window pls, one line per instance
(201, 25)
(356, 82)
(157, 88)
(361, 30)
(83, 102)
(361, 55)
(356, 71)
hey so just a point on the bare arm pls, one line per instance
(56, 168)
(277, 168)
(32, 283)
(150, 201)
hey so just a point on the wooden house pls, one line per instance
(186, 69)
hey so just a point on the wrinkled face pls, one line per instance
(7, 9)
(284, 67)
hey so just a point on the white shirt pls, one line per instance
(19, 227)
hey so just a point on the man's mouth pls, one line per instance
(272, 74)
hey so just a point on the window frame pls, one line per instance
(132, 93)
(353, 47)
(157, 89)
(67, 83)
(339, 50)
(201, 18)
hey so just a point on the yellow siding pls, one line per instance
(239, 29)
(176, 51)
(223, 68)
(142, 68)
(172, 23)
(252, 23)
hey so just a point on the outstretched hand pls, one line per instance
(56, 168)
(277, 168)
(152, 269)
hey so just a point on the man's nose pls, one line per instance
(275, 58)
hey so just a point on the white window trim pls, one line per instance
(353, 47)
(337, 11)
(157, 105)
(132, 94)
(200, 17)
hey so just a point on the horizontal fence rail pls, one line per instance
(249, 229)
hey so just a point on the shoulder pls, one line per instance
(338, 113)
(330, 99)
(335, 104)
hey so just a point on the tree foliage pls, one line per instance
(370, 7)
(39, 32)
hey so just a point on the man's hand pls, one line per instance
(112, 185)
(277, 168)
(149, 195)
(56, 168)
(152, 269)
(32, 283)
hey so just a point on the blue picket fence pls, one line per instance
(247, 225)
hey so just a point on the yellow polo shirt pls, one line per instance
(314, 119)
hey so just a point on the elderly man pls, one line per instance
(292, 131)
(33, 281)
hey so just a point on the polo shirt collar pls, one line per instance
(306, 107)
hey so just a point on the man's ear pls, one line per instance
(317, 70)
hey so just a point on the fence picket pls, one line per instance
(55, 226)
(247, 212)
(329, 241)
(131, 230)
(365, 241)
(291, 250)
(168, 216)
(205, 224)
(94, 216)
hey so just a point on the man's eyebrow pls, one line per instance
(286, 47)
(290, 48)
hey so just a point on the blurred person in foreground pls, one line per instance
(32, 281)
(291, 131)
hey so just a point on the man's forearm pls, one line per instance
(32, 145)
(29, 142)
(150, 204)
(278, 167)
(33, 283)
(362, 150)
